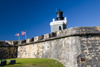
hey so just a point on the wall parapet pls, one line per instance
(74, 31)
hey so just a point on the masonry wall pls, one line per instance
(90, 51)
(64, 50)
(73, 47)
(8, 52)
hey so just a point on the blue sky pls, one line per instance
(35, 16)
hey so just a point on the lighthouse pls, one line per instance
(60, 24)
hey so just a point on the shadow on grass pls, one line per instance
(15, 63)
(34, 64)
(12, 64)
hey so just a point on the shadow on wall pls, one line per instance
(3, 43)
(7, 51)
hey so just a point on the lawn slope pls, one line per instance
(34, 62)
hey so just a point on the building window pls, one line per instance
(59, 27)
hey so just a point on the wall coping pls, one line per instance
(73, 31)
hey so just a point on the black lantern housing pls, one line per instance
(59, 15)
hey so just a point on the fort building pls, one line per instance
(73, 47)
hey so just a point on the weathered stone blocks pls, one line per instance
(68, 46)
(2, 43)
(62, 50)
(8, 52)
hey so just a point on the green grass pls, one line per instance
(34, 62)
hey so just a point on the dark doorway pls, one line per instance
(59, 27)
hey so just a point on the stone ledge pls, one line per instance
(74, 31)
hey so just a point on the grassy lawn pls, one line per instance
(34, 62)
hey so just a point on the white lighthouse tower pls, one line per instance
(60, 24)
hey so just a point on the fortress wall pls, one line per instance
(73, 47)
(65, 46)
(90, 51)
(64, 50)
(8, 52)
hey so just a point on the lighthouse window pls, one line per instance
(59, 27)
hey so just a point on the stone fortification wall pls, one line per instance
(90, 51)
(68, 46)
(73, 47)
(8, 52)
(64, 50)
